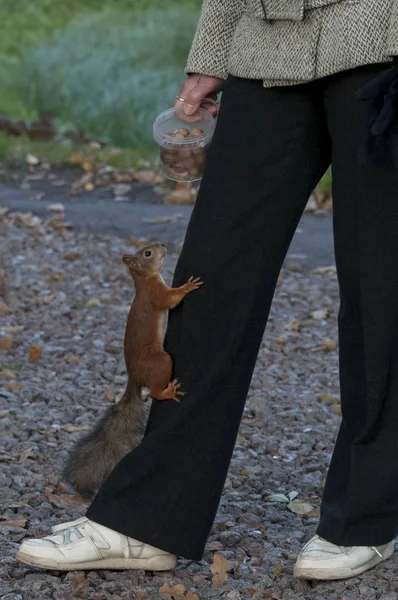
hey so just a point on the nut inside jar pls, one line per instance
(185, 163)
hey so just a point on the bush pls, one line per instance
(110, 74)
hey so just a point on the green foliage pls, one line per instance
(24, 23)
(110, 74)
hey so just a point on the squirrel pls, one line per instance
(148, 365)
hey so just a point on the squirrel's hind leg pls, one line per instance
(159, 369)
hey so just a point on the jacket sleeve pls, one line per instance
(212, 41)
(392, 36)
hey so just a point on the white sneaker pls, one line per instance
(89, 545)
(320, 559)
(67, 524)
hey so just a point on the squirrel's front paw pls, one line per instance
(193, 283)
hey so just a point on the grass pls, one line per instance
(106, 67)
(106, 71)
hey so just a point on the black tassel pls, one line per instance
(380, 143)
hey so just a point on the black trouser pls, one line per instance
(270, 148)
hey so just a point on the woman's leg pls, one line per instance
(360, 503)
(269, 150)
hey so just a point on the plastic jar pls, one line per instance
(183, 142)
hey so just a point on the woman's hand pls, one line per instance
(195, 89)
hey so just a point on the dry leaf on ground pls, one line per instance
(32, 160)
(109, 394)
(65, 500)
(13, 386)
(320, 314)
(35, 353)
(94, 302)
(164, 219)
(16, 523)
(300, 508)
(219, 570)
(57, 207)
(328, 399)
(79, 583)
(6, 341)
(28, 453)
(173, 592)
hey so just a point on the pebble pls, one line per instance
(285, 448)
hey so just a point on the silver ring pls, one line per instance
(180, 99)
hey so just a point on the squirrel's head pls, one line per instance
(146, 260)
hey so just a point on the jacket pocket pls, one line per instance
(308, 4)
(290, 10)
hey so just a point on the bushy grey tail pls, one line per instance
(118, 432)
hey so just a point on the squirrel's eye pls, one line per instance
(147, 253)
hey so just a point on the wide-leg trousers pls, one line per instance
(270, 148)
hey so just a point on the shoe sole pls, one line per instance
(334, 574)
(156, 563)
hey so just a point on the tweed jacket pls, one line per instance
(285, 42)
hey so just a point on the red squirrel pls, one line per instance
(121, 428)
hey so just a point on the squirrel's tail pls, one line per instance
(118, 432)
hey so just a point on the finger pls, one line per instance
(186, 87)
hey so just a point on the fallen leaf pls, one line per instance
(28, 453)
(137, 242)
(277, 571)
(69, 501)
(7, 374)
(277, 498)
(4, 307)
(32, 160)
(15, 329)
(58, 488)
(300, 508)
(164, 219)
(13, 386)
(319, 314)
(58, 207)
(328, 399)
(175, 592)
(71, 256)
(293, 325)
(147, 177)
(35, 353)
(327, 346)
(94, 302)
(219, 570)
(74, 360)
(186, 196)
(6, 342)
(17, 523)
(336, 408)
(109, 394)
(79, 583)
(322, 270)
(82, 181)
(140, 595)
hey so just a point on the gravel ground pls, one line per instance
(65, 302)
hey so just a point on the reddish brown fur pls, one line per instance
(146, 361)
(148, 365)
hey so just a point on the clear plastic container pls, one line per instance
(183, 142)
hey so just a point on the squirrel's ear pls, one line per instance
(129, 260)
